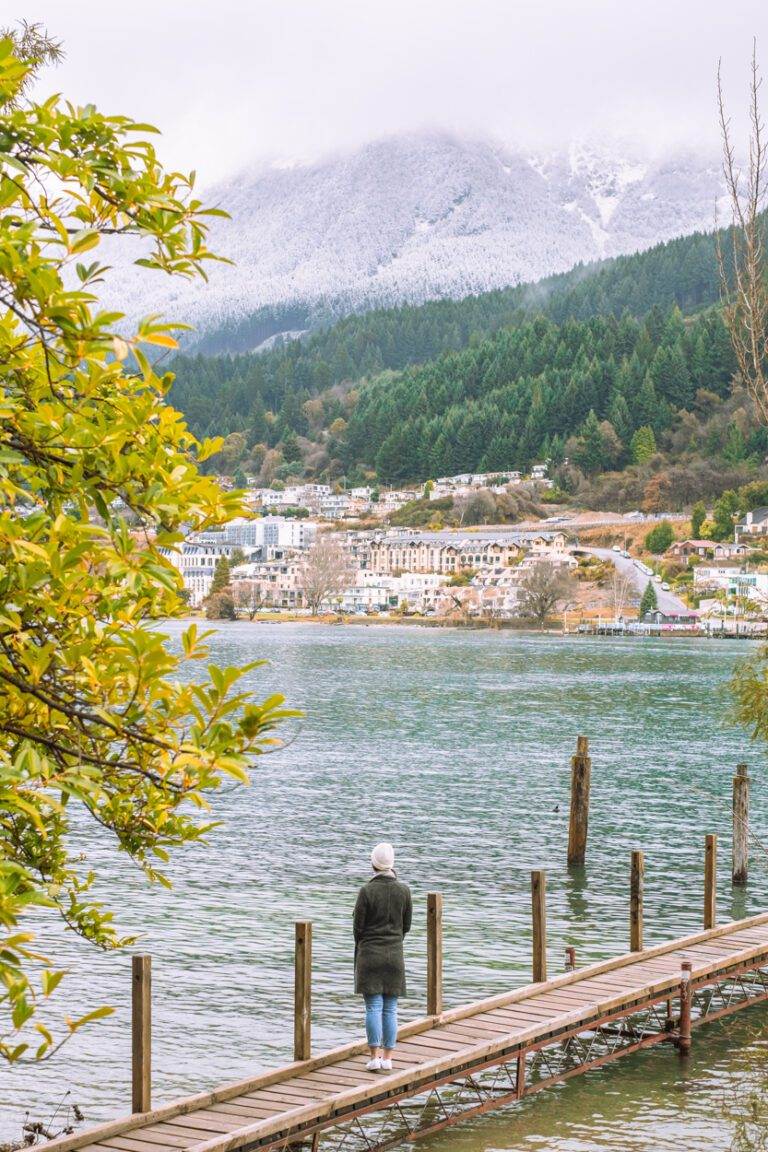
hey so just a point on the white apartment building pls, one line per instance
(268, 498)
(287, 532)
(197, 564)
(263, 532)
(708, 577)
(750, 586)
(372, 592)
(395, 498)
(333, 506)
(239, 533)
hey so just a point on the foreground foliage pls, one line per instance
(94, 716)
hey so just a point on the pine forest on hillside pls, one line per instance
(623, 369)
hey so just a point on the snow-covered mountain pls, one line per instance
(419, 216)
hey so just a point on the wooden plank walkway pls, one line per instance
(527, 1039)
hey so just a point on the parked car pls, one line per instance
(665, 587)
(616, 548)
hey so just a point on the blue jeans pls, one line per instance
(381, 1021)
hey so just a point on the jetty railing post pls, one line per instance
(539, 910)
(684, 1038)
(710, 882)
(434, 954)
(302, 991)
(637, 873)
(141, 1033)
(740, 868)
(581, 767)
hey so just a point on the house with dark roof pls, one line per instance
(728, 551)
(755, 523)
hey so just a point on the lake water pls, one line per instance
(454, 745)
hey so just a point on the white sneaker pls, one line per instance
(375, 1063)
(385, 1065)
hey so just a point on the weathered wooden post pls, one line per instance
(539, 909)
(141, 1033)
(570, 958)
(581, 767)
(520, 1076)
(684, 1037)
(434, 954)
(636, 876)
(302, 991)
(740, 825)
(710, 882)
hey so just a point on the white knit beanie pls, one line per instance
(383, 858)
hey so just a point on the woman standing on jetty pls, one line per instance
(382, 918)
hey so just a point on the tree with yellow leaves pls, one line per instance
(94, 716)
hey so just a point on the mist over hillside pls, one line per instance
(417, 217)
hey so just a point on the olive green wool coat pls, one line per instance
(382, 918)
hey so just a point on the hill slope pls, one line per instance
(598, 370)
(230, 393)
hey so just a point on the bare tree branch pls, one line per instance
(325, 574)
(743, 269)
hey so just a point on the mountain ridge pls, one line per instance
(417, 217)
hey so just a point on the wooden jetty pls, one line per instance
(466, 1060)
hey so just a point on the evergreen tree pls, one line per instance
(589, 455)
(734, 449)
(723, 513)
(698, 516)
(649, 601)
(643, 445)
(660, 537)
(221, 576)
(620, 417)
(258, 428)
(290, 448)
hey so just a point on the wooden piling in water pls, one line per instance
(637, 874)
(302, 991)
(141, 1033)
(434, 954)
(740, 867)
(684, 1035)
(539, 910)
(581, 767)
(710, 882)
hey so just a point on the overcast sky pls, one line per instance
(231, 81)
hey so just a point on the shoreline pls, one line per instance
(524, 628)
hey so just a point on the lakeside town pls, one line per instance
(310, 550)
